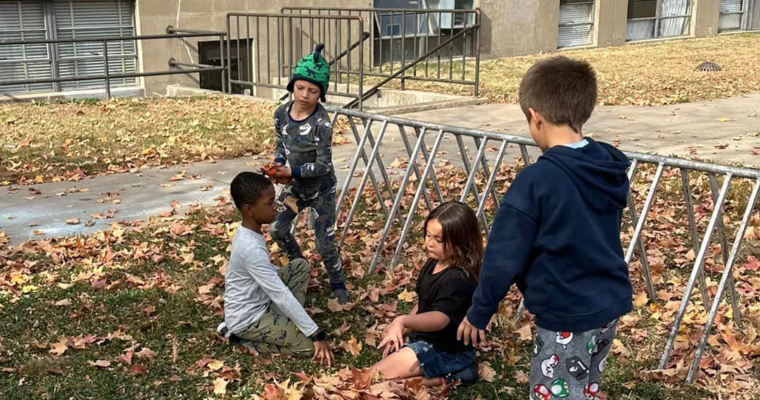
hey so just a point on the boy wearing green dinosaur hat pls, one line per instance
(304, 152)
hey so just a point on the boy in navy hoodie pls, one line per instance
(557, 236)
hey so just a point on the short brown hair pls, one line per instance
(562, 90)
(462, 240)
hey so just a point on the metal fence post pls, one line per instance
(105, 65)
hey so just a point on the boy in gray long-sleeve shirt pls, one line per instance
(263, 305)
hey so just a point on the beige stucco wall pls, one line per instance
(153, 17)
(705, 18)
(518, 27)
(609, 22)
(509, 27)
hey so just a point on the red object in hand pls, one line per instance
(270, 170)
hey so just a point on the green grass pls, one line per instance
(48, 142)
(180, 328)
(666, 77)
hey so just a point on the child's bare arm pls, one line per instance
(432, 321)
(407, 331)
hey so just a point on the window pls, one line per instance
(391, 24)
(24, 20)
(66, 19)
(731, 14)
(649, 19)
(576, 23)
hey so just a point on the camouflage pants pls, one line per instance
(323, 202)
(274, 332)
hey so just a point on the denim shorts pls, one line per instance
(436, 363)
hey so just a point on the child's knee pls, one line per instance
(299, 265)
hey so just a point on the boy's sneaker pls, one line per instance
(467, 375)
(341, 295)
(223, 331)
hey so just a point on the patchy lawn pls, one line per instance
(73, 140)
(655, 73)
(131, 312)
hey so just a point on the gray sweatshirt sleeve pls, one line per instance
(280, 155)
(266, 276)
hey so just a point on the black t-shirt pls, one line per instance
(450, 292)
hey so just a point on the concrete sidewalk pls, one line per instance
(723, 130)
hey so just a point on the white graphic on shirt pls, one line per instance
(304, 129)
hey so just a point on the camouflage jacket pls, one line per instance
(306, 145)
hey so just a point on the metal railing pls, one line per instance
(435, 43)
(295, 37)
(107, 76)
(417, 151)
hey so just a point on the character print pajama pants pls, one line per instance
(569, 365)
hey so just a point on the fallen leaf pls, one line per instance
(73, 221)
(100, 363)
(521, 377)
(640, 300)
(407, 296)
(146, 353)
(485, 372)
(139, 370)
(334, 306)
(525, 333)
(352, 346)
(220, 386)
(59, 347)
(215, 365)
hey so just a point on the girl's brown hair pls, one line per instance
(462, 240)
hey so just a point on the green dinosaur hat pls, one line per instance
(312, 68)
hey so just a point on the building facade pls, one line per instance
(508, 28)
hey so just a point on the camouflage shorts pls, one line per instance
(274, 332)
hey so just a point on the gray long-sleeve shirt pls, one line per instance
(252, 283)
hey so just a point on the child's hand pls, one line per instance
(275, 173)
(282, 172)
(323, 354)
(469, 333)
(394, 336)
(389, 349)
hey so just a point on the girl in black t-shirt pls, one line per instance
(444, 289)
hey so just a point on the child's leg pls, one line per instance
(408, 363)
(560, 365)
(274, 332)
(599, 359)
(324, 229)
(296, 276)
(280, 229)
(401, 364)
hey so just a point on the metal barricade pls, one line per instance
(417, 45)
(107, 76)
(676, 168)
(272, 44)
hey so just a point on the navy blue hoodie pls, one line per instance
(557, 236)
